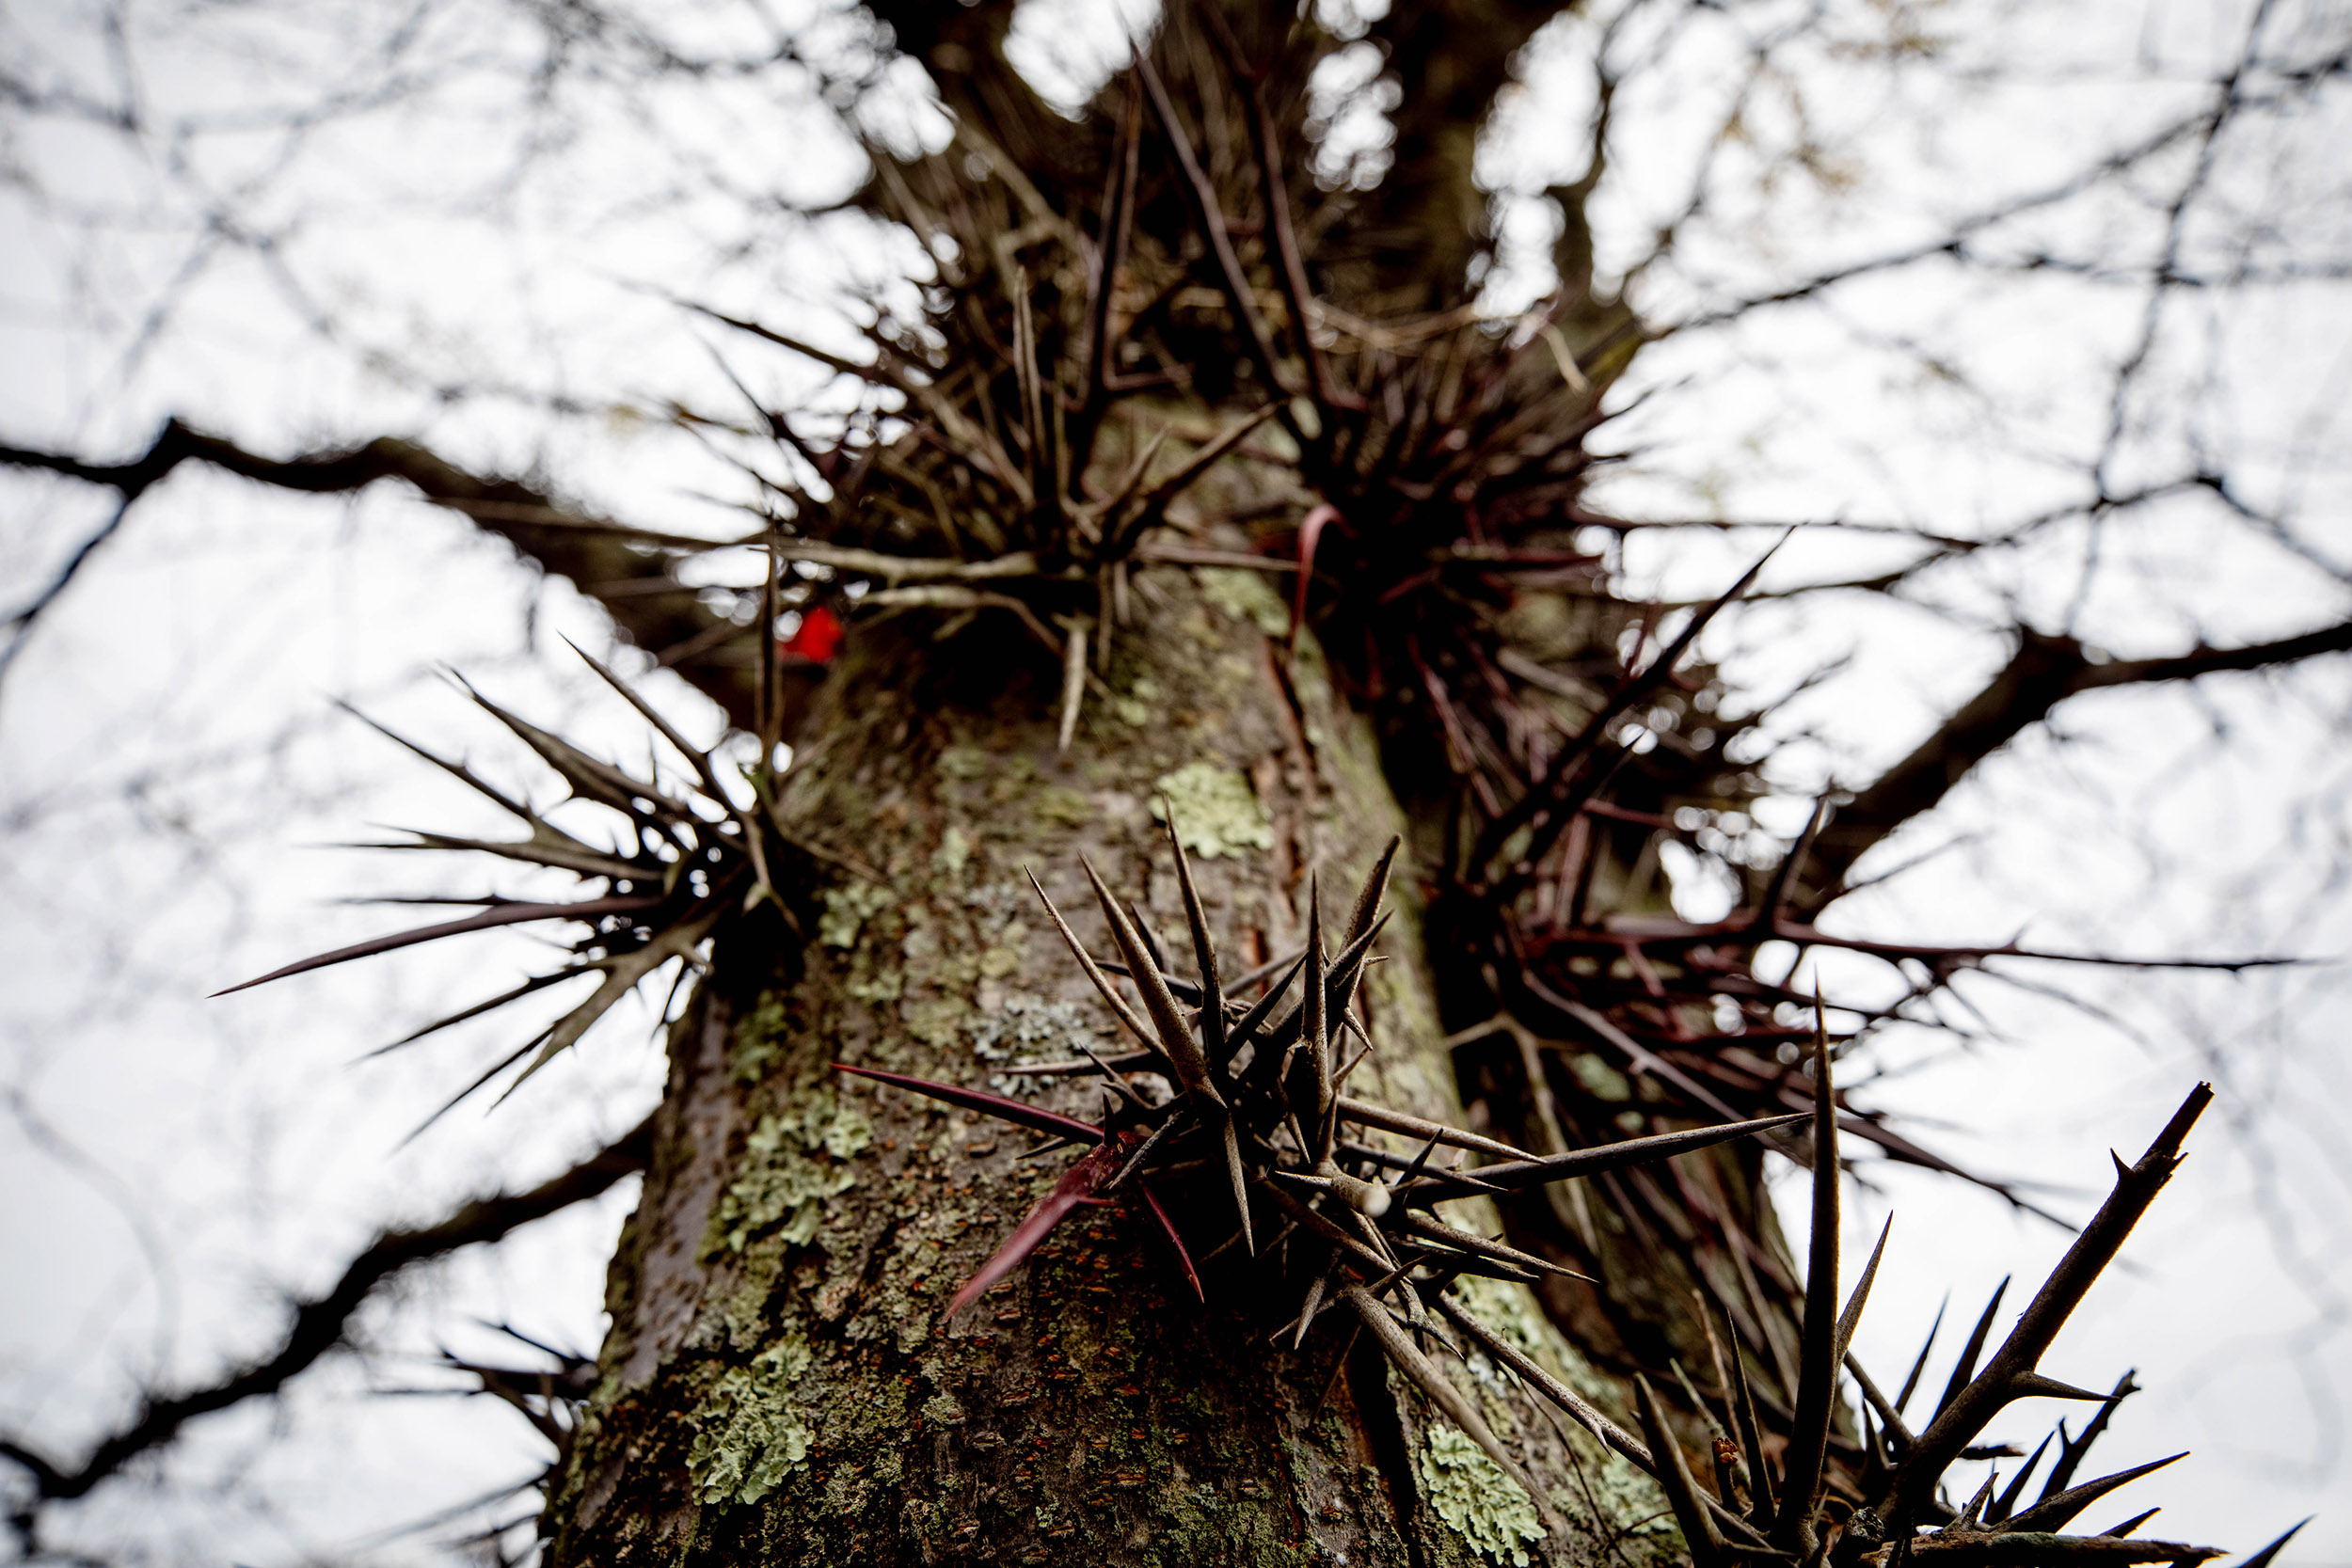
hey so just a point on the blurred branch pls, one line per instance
(2044, 673)
(321, 1322)
(602, 558)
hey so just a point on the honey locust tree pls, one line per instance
(1193, 511)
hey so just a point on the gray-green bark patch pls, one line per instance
(750, 1435)
(1216, 812)
(1487, 1508)
(792, 1162)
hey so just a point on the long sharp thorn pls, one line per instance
(504, 914)
(1423, 1374)
(1243, 1031)
(1036, 1117)
(1203, 951)
(1159, 1002)
(1760, 1511)
(2057, 1514)
(2131, 1526)
(1365, 1114)
(1120, 1009)
(1911, 1383)
(1607, 1157)
(1376, 887)
(1817, 1371)
(2263, 1558)
(1126, 1091)
(2005, 1504)
(1240, 1181)
(1674, 1476)
(2072, 1449)
(2010, 1374)
(1143, 1150)
(1167, 1227)
(1316, 1024)
(1306, 1313)
(1964, 1370)
(1852, 1317)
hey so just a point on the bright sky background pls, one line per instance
(172, 773)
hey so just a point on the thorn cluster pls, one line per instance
(1262, 1098)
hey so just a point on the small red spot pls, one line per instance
(818, 637)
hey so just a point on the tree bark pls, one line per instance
(780, 1384)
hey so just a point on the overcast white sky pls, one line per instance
(170, 765)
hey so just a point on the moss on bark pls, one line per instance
(780, 1384)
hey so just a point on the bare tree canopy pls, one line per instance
(1781, 505)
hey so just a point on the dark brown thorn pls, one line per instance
(1314, 1301)
(2005, 1504)
(1239, 295)
(1689, 1390)
(1821, 1353)
(1175, 1039)
(1965, 1367)
(1911, 1383)
(1372, 1262)
(1368, 897)
(1315, 1026)
(1431, 1229)
(1212, 999)
(1148, 512)
(1596, 1161)
(505, 914)
(1167, 1226)
(1049, 1146)
(1556, 790)
(1116, 1080)
(1133, 1061)
(2006, 1377)
(1158, 1134)
(2131, 1526)
(1467, 1182)
(2058, 1512)
(1250, 1022)
(537, 982)
(1153, 943)
(1897, 1434)
(1760, 1481)
(457, 770)
(2263, 1558)
(1423, 1374)
(1036, 1117)
(1120, 1009)
(1237, 1176)
(1852, 1317)
(461, 1096)
(1674, 1476)
(2072, 1449)
(1364, 1113)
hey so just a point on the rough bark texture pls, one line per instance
(780, 1384)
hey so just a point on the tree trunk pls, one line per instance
(781, 1383)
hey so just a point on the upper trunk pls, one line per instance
(780, 1384)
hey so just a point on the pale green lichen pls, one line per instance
(964, 762)
(846, 910)
(1244, 597)
(1059, 806)
(1134, 709)
(953, 854)
(1216, 812)
(1469, 1491)
(750, 1435)
(1601, 1080)
(784, 1179)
